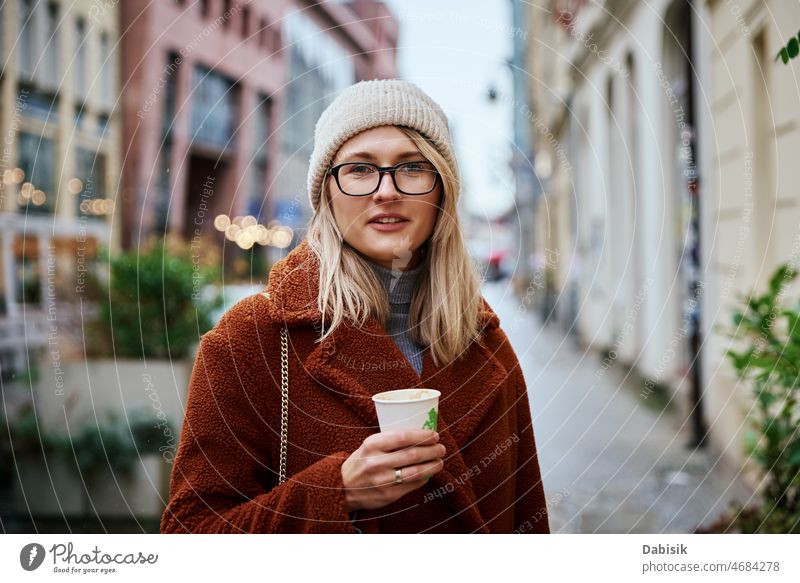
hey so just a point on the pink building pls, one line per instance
(219, 102)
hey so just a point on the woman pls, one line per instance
(380, 295)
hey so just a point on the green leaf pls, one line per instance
(764, 362)
(783, 55)
(780, 273)
(772, 431)
(765, 397)
(792, 323)
(793, 48)
(793, 452)
(751, 439)
(432, 421)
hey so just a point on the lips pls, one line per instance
(400, 218)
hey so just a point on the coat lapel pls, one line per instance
(357, 363)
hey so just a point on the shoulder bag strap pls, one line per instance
(284, 400)
(284, 397)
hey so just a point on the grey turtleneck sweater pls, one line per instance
(400, 287)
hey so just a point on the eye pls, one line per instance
(416, 167)
(359, 169)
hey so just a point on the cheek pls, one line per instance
(431, 211)
(347, 213)
(339, 207)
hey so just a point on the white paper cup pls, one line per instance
(408, 409)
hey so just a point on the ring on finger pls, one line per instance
(398, 475)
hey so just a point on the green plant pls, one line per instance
(104, 445)
(790, 50)
(114, 443)
(769, 359)
(150, 435)
(25, 434)
(151, 305)
(24, 439)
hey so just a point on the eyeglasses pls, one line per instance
(363, 178)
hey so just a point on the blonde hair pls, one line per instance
(445, 304)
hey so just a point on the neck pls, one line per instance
(399, 284)
(399, 263)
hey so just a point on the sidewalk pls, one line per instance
(609, 463)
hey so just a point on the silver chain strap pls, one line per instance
(284, 400)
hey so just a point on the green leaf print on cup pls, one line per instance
(432, 422)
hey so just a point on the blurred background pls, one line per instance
(628, 171)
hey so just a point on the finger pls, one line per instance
(394, 440)
(411, 456)
(420, 472)
(411, 474)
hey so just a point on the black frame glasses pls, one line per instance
(334, 170)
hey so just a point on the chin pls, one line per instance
(385, 252)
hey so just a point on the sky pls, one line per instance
(455, 51)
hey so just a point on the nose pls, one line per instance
(386, 189)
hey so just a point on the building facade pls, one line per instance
(662, 132)
(219, 109)
(60, 165)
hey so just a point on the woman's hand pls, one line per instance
(369, 473)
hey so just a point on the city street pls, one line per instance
(610, 464)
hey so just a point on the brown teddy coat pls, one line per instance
(225, 472)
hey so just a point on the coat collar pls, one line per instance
(294, 285)
(359, 362)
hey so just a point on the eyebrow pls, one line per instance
(368, 156)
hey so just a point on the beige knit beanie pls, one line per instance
(369, 104)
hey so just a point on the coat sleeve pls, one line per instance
(224, 480)
(530, 512)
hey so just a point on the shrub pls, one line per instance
(769, 359)
(151, 303)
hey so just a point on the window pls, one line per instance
(37, 160)
(170, 91)
(106, 71)
(37, 54)
(261, 125)
(276, 38)
(102, 124)
(80, 116)
(38, 104)
(262, 33)
(317, 69)
(245, 22)
(258, 171)
(213, 108)
(50, 70)
(90, 168)
(162, 195)
(27, 39)
(80, 73)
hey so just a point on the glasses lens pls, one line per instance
(411, 177)
(358, 178)
(415, 177)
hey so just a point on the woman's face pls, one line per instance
(397, 245)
